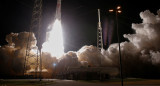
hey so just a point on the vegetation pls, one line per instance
(129, 81)
(24, 83)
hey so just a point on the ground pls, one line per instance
(57, 82)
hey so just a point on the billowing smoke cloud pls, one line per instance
(93, 56)
(69, 59)
(140, 55)
(146, 39)
(12, 54)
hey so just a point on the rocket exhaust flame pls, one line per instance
(54, 44)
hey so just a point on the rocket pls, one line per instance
(99, 32)
(99, 20)
(58, 10)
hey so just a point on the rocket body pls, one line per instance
(99, 20)
(58, 10)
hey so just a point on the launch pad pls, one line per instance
(88, 73)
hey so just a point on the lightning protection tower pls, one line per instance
(34, 59)
(99, 33)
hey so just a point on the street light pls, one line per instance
(117, 11)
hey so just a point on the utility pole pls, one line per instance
(117, 11)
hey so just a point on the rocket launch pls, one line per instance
(58, 10)
(54, 44)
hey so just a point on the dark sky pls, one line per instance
(79, 18)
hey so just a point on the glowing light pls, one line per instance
(119, 11)
(118, 7)
(33, 70)
(54, 44)
(54, 64)
(34, 51)
(111, 10)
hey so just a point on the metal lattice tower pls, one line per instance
(99, 33)
(34, 59)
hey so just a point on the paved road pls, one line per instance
(80, 83)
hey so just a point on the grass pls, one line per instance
(25, 83)
(129, 81)
(134, 81)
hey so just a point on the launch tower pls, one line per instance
(34, 28)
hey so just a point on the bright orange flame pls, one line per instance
(54, 44)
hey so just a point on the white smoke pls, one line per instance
(147, 34)
(141, 51)
(69, 59)
(155, 57)
(12, 54)
(92, 56)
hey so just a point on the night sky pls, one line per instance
(79, 18)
